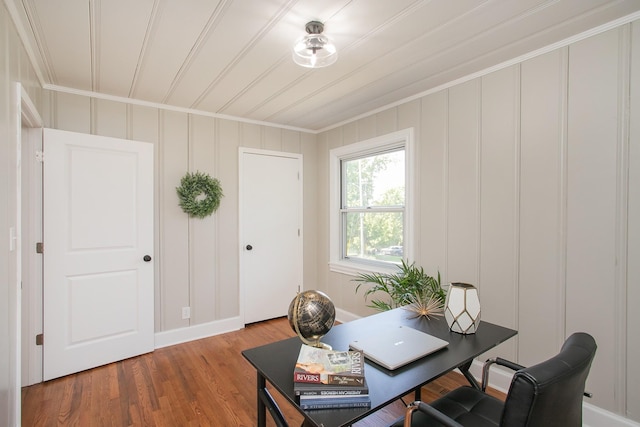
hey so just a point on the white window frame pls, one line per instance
(402, 138)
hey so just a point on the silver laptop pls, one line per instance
(397, 346)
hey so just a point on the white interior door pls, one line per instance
(98, 228)
(271, 232)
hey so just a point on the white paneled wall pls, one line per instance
(196, 260)
(499, 179)
(595, 115)
(542, 212)
(633, 235)
(529, 187)
(462, 169)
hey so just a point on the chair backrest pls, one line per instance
(550, 393)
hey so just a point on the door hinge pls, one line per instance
(40, 156)
(39, 248)
(40, 339)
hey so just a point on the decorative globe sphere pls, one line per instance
(311, 315)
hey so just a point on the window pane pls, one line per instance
(374, 235)
(376, 180)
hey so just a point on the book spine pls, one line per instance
(319, 404)
(332, 393)
(351, 380)
(303, 377)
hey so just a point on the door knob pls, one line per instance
(146, 258)
(249, 247)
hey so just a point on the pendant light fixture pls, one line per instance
(314, 50)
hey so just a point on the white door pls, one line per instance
(98, 230)
(271, 232)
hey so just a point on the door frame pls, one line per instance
(241, 252)
(31, 233)
(27, 362)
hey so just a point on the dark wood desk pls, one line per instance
(275, 362)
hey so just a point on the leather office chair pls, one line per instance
(548, 394)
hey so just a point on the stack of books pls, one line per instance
(329, 379)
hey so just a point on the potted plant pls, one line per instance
(410, 287)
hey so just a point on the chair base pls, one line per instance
(466, 405)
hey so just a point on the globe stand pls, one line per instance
(294, 318)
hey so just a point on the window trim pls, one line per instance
(402, 138)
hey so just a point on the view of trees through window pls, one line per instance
(373, 201)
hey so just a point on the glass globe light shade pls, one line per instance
(314, 50)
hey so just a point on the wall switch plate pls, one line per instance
(186, 312)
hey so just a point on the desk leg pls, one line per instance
(465, 371)
(265, 401)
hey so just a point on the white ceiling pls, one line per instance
(233, 57)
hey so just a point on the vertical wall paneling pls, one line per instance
(272, 139)
(309, 150)
(348, 135)
(202, 231)
(591, 204)
(367, 128)
(228, 135)
(322, 223)
(499, 179)
(291, 141)
(462, 177)
(621, 225)
(109, 118)
(633, 264)
(9, 415)
(10, 218)
(174, 223)
(143, 125)
(409, 116)
(250, 135)
(541, 270)
(387, 121)
(432, 192)
(72, 112)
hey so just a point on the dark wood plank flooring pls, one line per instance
(200, 383)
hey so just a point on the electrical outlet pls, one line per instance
(186, 312)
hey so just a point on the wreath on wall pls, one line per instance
(199, 194)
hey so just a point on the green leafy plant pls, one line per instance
(199, 194)
(409, 286)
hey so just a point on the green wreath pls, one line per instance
(199, 194)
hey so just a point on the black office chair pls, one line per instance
(548, 394)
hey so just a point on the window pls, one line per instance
(370, 210)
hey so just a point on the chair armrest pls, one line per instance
(498, 361)
(429, 410)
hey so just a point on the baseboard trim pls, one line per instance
(196, 332)
(344, 316)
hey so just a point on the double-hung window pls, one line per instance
(370, 203)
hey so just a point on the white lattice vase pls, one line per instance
(462, 308)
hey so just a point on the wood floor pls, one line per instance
(200, 383)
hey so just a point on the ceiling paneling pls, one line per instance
(233, 57)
